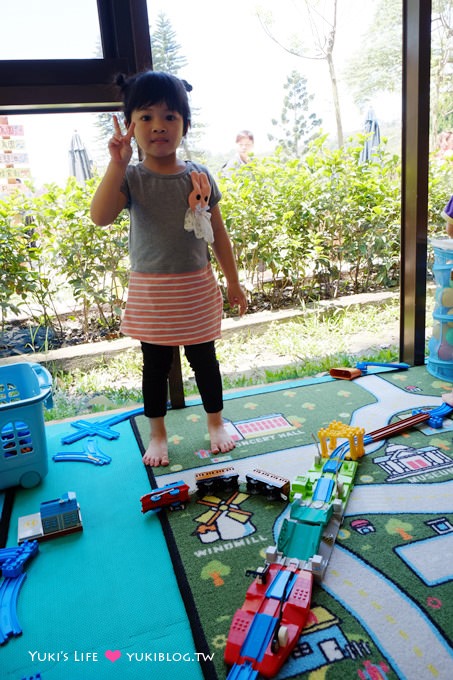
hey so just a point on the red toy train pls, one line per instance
(172, 496)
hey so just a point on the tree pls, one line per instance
(295, 123)
(441, 69)
(377, 66)
(164, 48)
(323, 28)
(167, 57)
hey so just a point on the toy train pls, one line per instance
(172, 496)
(258, 481)
(222, 479)
(269, 485)
(176, 494)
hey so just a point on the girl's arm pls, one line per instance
(108, 200)
(224, 253)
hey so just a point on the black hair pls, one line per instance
(244, 134)
(153, 87)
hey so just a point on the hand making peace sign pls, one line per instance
(120, 147)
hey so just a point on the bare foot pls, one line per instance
(448, 398)
(157, 452)
(221, 441)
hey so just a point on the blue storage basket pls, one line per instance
(24, 390)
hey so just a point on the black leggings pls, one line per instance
(157, 360)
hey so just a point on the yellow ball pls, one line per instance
(447, 297)
(436, 330)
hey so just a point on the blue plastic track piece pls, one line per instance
(362, 365)
(100, 427)
(323, 490)
(259, 636)
(342, 450)
(92, 449)
(91, 454)
(277, 588)
(331, 465)
(88, 429)
(12, 560)
(9, 591)
(442, 410)
(436, 415)
(242, 672)
(79, 457)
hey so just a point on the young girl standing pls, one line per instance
(173, 297)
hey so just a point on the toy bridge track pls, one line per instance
(435, 418)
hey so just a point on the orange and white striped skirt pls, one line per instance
(173, 309)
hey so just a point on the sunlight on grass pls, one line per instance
(321, 333)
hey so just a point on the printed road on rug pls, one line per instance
(383, 608)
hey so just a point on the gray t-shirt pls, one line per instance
(158, 242)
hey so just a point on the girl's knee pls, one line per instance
(157, 360)
(202, 356)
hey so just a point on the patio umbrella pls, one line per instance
(371, 129)
(79, 161)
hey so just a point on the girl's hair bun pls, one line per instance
(120, 80)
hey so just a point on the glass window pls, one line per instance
(241, 74)
(50, 29)
(239, 77)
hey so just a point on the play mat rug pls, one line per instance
(384, 608)
(95, 602)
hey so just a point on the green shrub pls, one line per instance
(325, 221)
(314, 227)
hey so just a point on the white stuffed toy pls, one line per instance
(198, 217)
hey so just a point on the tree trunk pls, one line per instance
(336, 99)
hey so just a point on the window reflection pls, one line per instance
(36, 150)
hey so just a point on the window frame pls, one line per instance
(81, 85)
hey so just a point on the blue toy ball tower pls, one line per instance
(440, 359)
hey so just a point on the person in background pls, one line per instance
(244, 144)
(175, 220)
